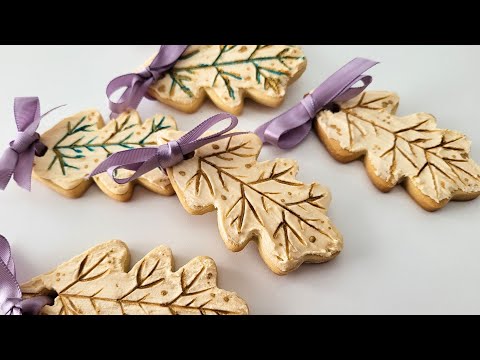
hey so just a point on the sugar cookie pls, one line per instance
(79, 143)
(433, 164)
(228, 74)
(260, 202)
(97, 283)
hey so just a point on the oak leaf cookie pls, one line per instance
(260, 202)
(79, 143)
(97, 283)
(228, 74)
(434, 164)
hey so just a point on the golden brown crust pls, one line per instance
(79, 143)
(241, 81)
(433, 164)
(259, 202)
(98, 282)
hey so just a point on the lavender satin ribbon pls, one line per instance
(11, 302)
(143, 160)
(137, 84)
(290, 128)
(17, 160)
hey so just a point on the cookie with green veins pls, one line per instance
(228, 74)
(76, 145)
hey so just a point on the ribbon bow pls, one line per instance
(143, 160)
(11, 302)
(17, 160)
(290, 128)
(137, 84)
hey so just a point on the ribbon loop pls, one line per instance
(11, 302)
(291, 127)
(17, 159)
(143, 160)
(137, 84)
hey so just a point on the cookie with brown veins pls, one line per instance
(228, 74)
(98, 282)
(258, 201)
(433, 164)
(81, 142)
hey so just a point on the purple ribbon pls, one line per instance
(137, 84)
(143, 160)
(17, 160)
(11, 302)
(292, 127)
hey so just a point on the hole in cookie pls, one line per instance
(49, 292)
(52, 294)
(333, 107)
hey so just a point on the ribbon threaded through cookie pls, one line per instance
(143, 160)
(291, 128)
(137, 84)
(17, 159)
(11, 302)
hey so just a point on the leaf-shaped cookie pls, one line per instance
(228, 74)
(261, 202)
(434, 164)
(79, 143)
(97, 282)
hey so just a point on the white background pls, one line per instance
(398, 258)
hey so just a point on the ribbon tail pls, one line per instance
(27, 113)
(8, 162)
(9, 288)
(124, 158)
(6, 254)
(355, 91)
(5, 176)
(23, 170)
(140, 169)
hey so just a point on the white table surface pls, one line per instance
(397, 258)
